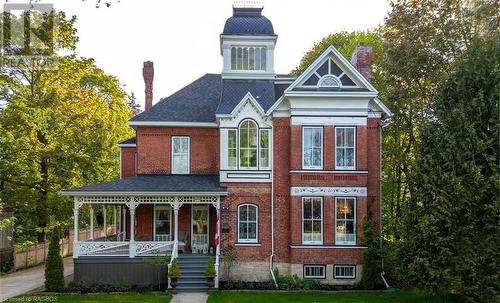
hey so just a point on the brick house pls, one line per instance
(278, 168)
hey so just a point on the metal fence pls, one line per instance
(37, 254)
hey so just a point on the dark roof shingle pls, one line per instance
(196, 102)
(156, 184)
(233, 92)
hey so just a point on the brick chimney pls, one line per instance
(148, 72)
(362, 59)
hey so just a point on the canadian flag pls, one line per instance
(217, 228)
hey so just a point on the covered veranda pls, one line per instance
(165, 195)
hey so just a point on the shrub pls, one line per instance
(174, 270)
(54, 267)
(229, 259)
(210, 269)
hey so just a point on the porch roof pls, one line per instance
(154, 184)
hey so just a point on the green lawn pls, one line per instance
(153, 297)
(320, 297)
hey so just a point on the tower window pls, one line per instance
(248, 58)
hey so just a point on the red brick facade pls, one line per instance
(154, 157)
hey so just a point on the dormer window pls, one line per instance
(248, 58)
(329, 81)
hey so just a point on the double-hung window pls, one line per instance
(312, 147)
(345, 147)
(162, 222)
(264, 149)
(312, 220)
(345, 221)
(232, 148)
(247, 223)
(180, 155)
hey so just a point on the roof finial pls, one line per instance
(248, 4)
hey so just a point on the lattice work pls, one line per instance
(104, 200)
(208, 199)
(186, 199)
(157, 199)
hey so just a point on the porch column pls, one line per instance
(91, 223)
(114, 220)
(76, 211)
(176, 226)
(132, 230)
(105, 217)
(217, 249)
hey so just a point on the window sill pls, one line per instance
(247, 244)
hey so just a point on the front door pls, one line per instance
(199, 229)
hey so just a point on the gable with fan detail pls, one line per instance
(331, 72)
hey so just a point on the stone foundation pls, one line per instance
(259, 271)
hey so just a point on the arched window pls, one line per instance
(248, 144)
(329, 81)
(248, 223)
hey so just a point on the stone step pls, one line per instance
(192, 289)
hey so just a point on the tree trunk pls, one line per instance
(43, 195)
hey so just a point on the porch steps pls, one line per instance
(192, 268)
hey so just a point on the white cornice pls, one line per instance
(174, 124)
(127, 145)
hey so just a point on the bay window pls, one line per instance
(249, 147)
(180, 155)
(345, 147)
(312, 220)
(247, 223)
(312, 147)
(345, 221)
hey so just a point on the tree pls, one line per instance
(451, 236)
(420, 42)
(54, 267)
(372, 258)
(60, 129)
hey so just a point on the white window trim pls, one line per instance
(256, 240)
(303, 148)
(302, 216)
(335, 276)
(336, 145)
(172, 155)
(169, 219)
(323, 267)
(355, 218)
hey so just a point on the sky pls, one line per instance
(182, 37)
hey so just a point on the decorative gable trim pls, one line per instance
(247, 99)
(331, 50)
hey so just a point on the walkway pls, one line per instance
(27, 280)
(196, 297)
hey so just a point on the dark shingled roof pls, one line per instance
(248, 22)
(196, 102)
(157, 183)
(129, 141)
(233, 92)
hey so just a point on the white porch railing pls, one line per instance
(122, 248)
